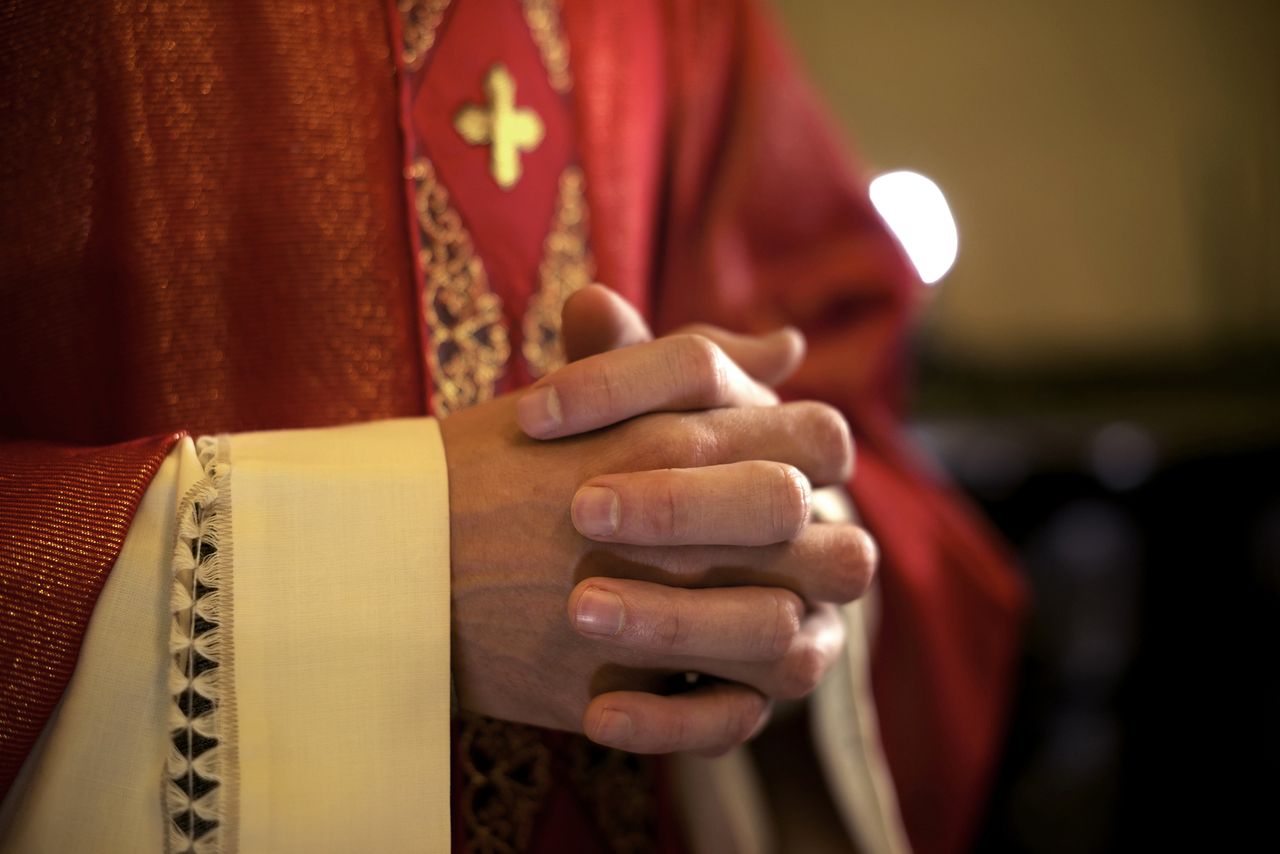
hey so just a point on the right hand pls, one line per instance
(733, 512)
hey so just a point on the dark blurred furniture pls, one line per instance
(1145, 508)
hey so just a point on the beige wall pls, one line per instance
(1113, 165)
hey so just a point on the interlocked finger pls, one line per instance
(676, 373)
(749, 503)
(798, 671)
(750, 624)
(769, 358)
(827, 562)
(710, 720)
(811, 436)
(758, 636)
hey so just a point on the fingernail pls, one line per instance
(614, 728)
(595, 511)
(599, 612)
(539, 411)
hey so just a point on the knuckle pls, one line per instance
(856, 559)
(603, 381)
(868, 557)
(641, 444)
(703, 363)
(662, 515)
(736, 726)
(786, 624)
(646, 443)
(831, 437)
(671, 632)
(789, 499)
(670, 440)
(701, 444)
(805, 667)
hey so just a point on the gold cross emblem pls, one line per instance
(504, 127)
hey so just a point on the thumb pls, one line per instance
(768, 359)
(596, 320)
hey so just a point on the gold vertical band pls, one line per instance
(467, 340)
(543, 18)
(567, 267)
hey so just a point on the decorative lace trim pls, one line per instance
(419, 22)
(543, 18)
(567, 266)
(467, 342)
(199, 773)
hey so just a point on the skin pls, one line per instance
(658, 490)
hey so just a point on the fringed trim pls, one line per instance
(199, 774)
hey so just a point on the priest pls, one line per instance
(256, 226)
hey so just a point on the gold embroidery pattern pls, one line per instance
(467, 342)
(419, 21)
(506, 775)
(567, 267)
(543, 18)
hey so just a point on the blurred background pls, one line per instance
(1100, 370)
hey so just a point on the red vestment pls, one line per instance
(208, 227)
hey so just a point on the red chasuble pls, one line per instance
(222, 217)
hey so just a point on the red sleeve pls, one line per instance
(768, 224)
(64, 513)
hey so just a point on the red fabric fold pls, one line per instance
(206, 228)
(64, 513)
(770, 223)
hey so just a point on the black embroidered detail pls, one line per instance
(618, 790)
(506, 775)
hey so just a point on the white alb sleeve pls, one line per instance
(267, 668)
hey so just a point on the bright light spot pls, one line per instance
(916, 210)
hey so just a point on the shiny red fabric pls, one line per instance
(206, 228)
(53, 563)
(508, 225)
(204, 221)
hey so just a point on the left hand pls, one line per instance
(595, 321)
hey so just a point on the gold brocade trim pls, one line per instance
(543, 18)
(419, 21)
(467, 342)
(506, 775)
(567, 267)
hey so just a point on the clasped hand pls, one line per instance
(662, 492)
